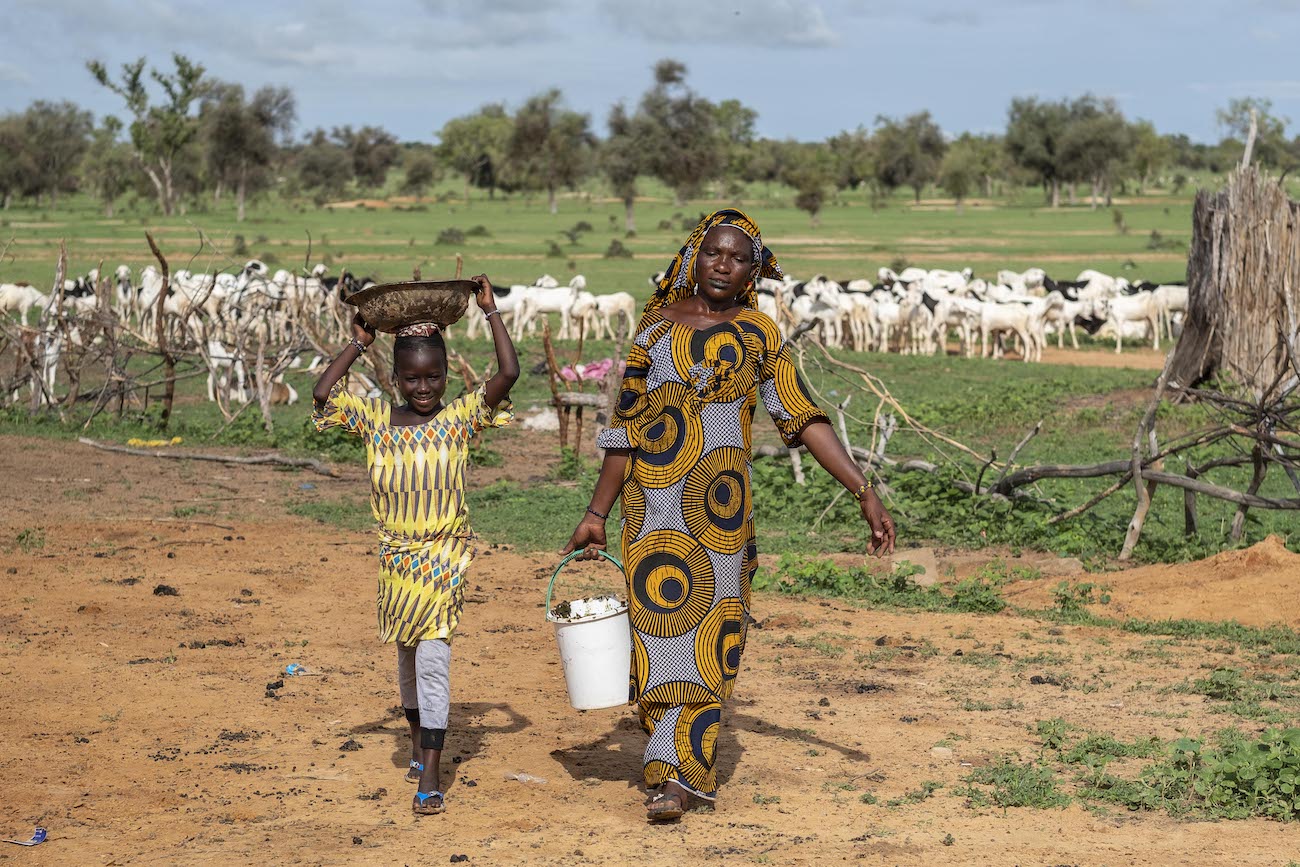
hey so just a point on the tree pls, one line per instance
(967, 166)
(373, 150)
(852, 158)
(324, 166)
(686, 149)
(621, 158)
(421, 171)
(1270, 136)
(764, 160)
(809, 170)
(241, 137)
(735, 125)
(550, 147)
(18, 172)
(1034, 130)
(1094, 143)
(475, 146)
(109, 166)
(908, 153)
(59, 135)
(1150, 152)
(162, 133)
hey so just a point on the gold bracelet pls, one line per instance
(862, 489)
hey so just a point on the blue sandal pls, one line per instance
(413, 775)
(422, 805)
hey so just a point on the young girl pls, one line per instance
(416, 454)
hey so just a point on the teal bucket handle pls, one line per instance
(565, 562)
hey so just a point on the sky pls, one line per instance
(810, 69)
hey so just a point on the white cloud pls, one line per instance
(492, 23)
(765, 23)
(13, 74)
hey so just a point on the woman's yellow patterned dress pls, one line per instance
(417, 494)
(686, 408)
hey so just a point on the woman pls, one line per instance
(678, 453)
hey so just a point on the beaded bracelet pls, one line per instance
(862, 489)
(491, 313)
(361, 347)
(597, 514)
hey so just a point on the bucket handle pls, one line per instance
(565, 562)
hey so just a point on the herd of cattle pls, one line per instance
(915, 311)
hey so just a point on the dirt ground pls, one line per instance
(144, 725)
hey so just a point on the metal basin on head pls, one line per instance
(391, 306)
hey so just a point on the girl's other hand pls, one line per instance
(362, 330)
(487, 302)
(882, 526)
(590, 534)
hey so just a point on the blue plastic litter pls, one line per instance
(37, 838)
(306, 486)
(294, 668)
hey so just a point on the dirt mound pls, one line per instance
(1256, 586)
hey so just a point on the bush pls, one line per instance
(554, 251)
(450, 236)
(616, 250)
(1239, 779)
(1011, 784)
(478, 232)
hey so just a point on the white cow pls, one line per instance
(21, 297)
(222, 364)
(615, 310)
(1142, 307)
(539, 300)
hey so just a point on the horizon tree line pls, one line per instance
(189, 135)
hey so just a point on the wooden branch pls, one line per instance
(1256, 479)
(1033, 432)
(1146, 491)
(306, 463)
(1079, 510)
(1217, 491)
(169, 361)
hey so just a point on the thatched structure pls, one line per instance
(1243, 280)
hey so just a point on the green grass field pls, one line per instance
(853, 240)
(1088, 413)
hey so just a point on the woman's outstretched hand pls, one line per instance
(590, 534)
(882, 525)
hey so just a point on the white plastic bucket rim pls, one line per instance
(590, 618)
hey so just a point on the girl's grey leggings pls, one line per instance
(423, 676)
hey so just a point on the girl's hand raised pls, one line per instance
(486, 301)
(362, 330)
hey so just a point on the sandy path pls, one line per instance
(139, 728)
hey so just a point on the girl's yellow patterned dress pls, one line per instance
(417, 494)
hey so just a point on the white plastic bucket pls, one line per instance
(596, 651)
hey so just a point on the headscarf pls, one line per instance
(678, 282)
